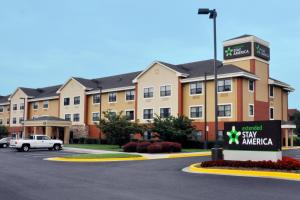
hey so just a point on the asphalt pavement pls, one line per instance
(27, 176)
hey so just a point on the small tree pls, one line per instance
(3, 131)
(118, 128)
(176, 129)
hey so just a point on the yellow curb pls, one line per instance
(60, 159)
(186, 155)
(290, 148)
(247, 173)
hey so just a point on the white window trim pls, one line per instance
(201, 86)
(92, 116)
(165, 107)
(74, 100)
(273, 92)
(12, 120)
(36, 104)
(252, 91)
(153, 112)
(44, 104)
(112, 101)
(13, 107)
(231, 108)
(231, 85)
(93, 99)
(249, 110)
(160, 91)
(2, 108)
(270, 113)
(144, 93)
(133, 113)
(71, 119)
(125, 96)
(63, 103)
(196, 117)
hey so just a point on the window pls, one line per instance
(66, 101)
(271, 90)
(130, 95)
(251, 85)
(76, 117)
(35, 105)
(251, 110)
(21, 106)
(7, 121)
(1, 121)
(96, 117)
(21, 120)
(46, 104)
(130, 114)
(224, 85)
(148, 92)
(96, 98)
(224, 110)
(112, 113)
(196, 112)
(76, 100)
(148, 114)
(112, 97)
(14, 120)
(68, 117)
(39, 137)
(15, 107)
(8, 108)
(1, 108)
(165, 90)
(271, 113)
(196, 88)
(165, 112)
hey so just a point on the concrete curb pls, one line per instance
(61, 159)
(245, 173)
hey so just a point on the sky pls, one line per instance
(44, 43)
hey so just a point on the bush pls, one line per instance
(91, 141)
(154, 148)
(297, 141)
(142, 147)
(286, 163)
(176, 147)
(81, 140)
(130, 147)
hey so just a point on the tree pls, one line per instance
(3, 131)
(118, 128)
(175, 129)
(297, 121)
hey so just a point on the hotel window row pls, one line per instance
(76, 117)
(2, 109)
(35, 105)
(165, 91)
(2, 121)
(224, 85)
(76, 101)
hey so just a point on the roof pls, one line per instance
(276, 82)
(239, 37)
(199, 68)
(4, 99)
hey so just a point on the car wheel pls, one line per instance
(56, 147)
(25, 148)
(4, 145)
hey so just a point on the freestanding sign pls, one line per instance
(255, 140)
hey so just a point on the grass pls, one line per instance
(107, 155)
(106, 147)
(194, 150)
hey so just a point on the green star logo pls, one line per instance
(258, 48)
(234, 135)
(229, 51)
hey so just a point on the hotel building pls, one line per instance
(246, 92)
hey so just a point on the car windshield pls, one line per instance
(3, 140)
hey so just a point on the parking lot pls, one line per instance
(27, 176)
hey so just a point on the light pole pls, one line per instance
(100, 111)
(213, 15)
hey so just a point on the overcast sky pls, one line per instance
(46, 42)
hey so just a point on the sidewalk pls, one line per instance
(145, 155)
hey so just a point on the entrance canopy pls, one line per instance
(288, 130)
(53, 127)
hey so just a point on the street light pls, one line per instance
(213, 15)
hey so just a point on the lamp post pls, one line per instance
(216, 154)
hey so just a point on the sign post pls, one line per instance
(255, 140)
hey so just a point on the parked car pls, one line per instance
(36, 142)
(4, 142)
